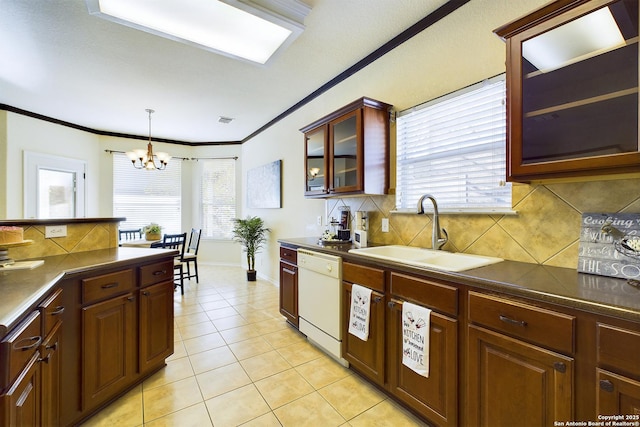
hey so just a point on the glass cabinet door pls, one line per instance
(577, 74)
(346, 168)
(316, 162)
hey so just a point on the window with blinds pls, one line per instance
(146, 196)
(218, 198)
(454, 148)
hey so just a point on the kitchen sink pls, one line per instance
(428, 258)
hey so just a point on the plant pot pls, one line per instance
(251, 275)
(152, 236)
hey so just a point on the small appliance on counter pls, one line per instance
(360, 232)
(340, 231)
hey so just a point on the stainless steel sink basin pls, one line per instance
(428, 258)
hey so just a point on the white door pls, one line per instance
(53, 186)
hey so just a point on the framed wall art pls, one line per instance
(264, 186)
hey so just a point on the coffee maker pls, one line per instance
(344, 231)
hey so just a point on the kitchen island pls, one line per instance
(89, 325)
(510, 343)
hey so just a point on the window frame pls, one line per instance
(499, 164)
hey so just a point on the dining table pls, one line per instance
(138, 243)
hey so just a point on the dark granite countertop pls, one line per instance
(556, 285)
(21, 290)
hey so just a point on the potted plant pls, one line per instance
(251, 233)
(152, 231)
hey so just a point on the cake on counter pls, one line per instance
(10, 234)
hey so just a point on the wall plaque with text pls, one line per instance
(607, 245)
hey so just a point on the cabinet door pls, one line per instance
(22, 400)
(573, 111)
(50, 371)
(109, 348)
(316, 168)
(435, 397)
(515, 383)
(156, 325)
(618, 395)
(367, 357)
(346, 168)
(289, 292)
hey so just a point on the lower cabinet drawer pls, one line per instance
(537, 325)
(618, 349)
(18, 347)
(156, 273)
(107, 285)
(372, 278)
(289, 255)
(424, 292)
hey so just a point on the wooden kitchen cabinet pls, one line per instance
(289, 284)
(109, 348)
(156, 325)
(618, 378)
(347, 151)
(511, 379)
(20, 379)
(577, 116)
(435, 397)
(51, 310)
(367, 357)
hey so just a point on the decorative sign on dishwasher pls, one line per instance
(610, 245)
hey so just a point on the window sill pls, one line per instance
(459, 211)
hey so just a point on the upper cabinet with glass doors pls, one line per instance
(347, 151)
(572, 87)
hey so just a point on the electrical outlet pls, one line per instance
(51, 231)
(319, 220)
(385, 225)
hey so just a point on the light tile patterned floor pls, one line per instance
(237, 362)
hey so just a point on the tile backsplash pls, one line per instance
(80, 237)
(546, 229)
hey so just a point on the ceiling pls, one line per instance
(62, 63)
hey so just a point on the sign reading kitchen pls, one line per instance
(610, 245)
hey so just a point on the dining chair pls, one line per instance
(176, 241)
(191, 253)
(130, 234)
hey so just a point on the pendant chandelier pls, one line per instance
(146, 159)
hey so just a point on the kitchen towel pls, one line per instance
(416, 321)
(359, 315)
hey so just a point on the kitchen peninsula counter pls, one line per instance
(562, 286)
(23, 289)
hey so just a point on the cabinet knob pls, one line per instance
(606, 385)
(377, 299)
(391, 304)
(560, 367)
(160, 272)
(145, 293)
(59, 310)
(131, 299)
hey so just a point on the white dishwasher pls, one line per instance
(320, 300)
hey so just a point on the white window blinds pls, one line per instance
(146, 196)
(218, 196)
(454, 148)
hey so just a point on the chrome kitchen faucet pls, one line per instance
(437, 241)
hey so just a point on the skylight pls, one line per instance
(238, 29)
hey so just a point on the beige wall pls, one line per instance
(450, 55)
(454, 53)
